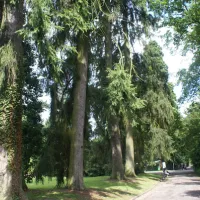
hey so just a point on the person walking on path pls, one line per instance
(163, 166)
(165, 172)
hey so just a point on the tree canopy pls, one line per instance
(113, 110)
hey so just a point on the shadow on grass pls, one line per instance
(63, 194)
(106, 190)
(109, 184)
(155, 177)
(50, 195)
(96, 188)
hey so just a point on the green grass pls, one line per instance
(96, 188)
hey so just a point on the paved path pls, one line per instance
(179, 186)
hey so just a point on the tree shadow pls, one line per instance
(88, 194)
(105, 188)
(50, 194)
(155, 177)
(193, 193)
(189, 183)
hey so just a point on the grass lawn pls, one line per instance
(97, 188)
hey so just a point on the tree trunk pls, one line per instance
(113, 121)
(11, 99)
(5, 175)
(117, 163)
(78, 116)
(130, 161)
(139, 150)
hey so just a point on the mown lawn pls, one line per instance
(97, 188)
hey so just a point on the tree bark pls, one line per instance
(117, 163)
(113, 121)
(139, 153)
(78, 115)
(130, 159)
(5, 176)
(12, 20)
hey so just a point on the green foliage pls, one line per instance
(191, 133)
(184, 17)
(32, 137)
(55, 155)
(98, 164)
(155, 119)
(121, 93)
(52, 27)
(8, 65)
(6, 111)
(190, 80)
(161, 144)
(77, 16)
(9, 96)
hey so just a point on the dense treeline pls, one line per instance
(112, 110)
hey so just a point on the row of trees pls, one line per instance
(184, 17)
(82, 53)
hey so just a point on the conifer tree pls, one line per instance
(71, 22)
(113, 118)
(158, 113)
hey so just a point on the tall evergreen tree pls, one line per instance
(113, 119)
(78, 116)
(130, 160)
(135, 22)
(72, 19)
(158, 113)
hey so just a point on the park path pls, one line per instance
(179, 186)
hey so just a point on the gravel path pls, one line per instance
(179, 186)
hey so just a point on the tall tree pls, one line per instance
(113, 119)
(157, 116)
(11, 84)
(70, 21)
(130, 160)
(119, 21)
(78, 116)
(191, 139)
(122, 101)
(135, 22)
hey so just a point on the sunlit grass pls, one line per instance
(96, 188)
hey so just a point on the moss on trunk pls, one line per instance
(11, 99)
